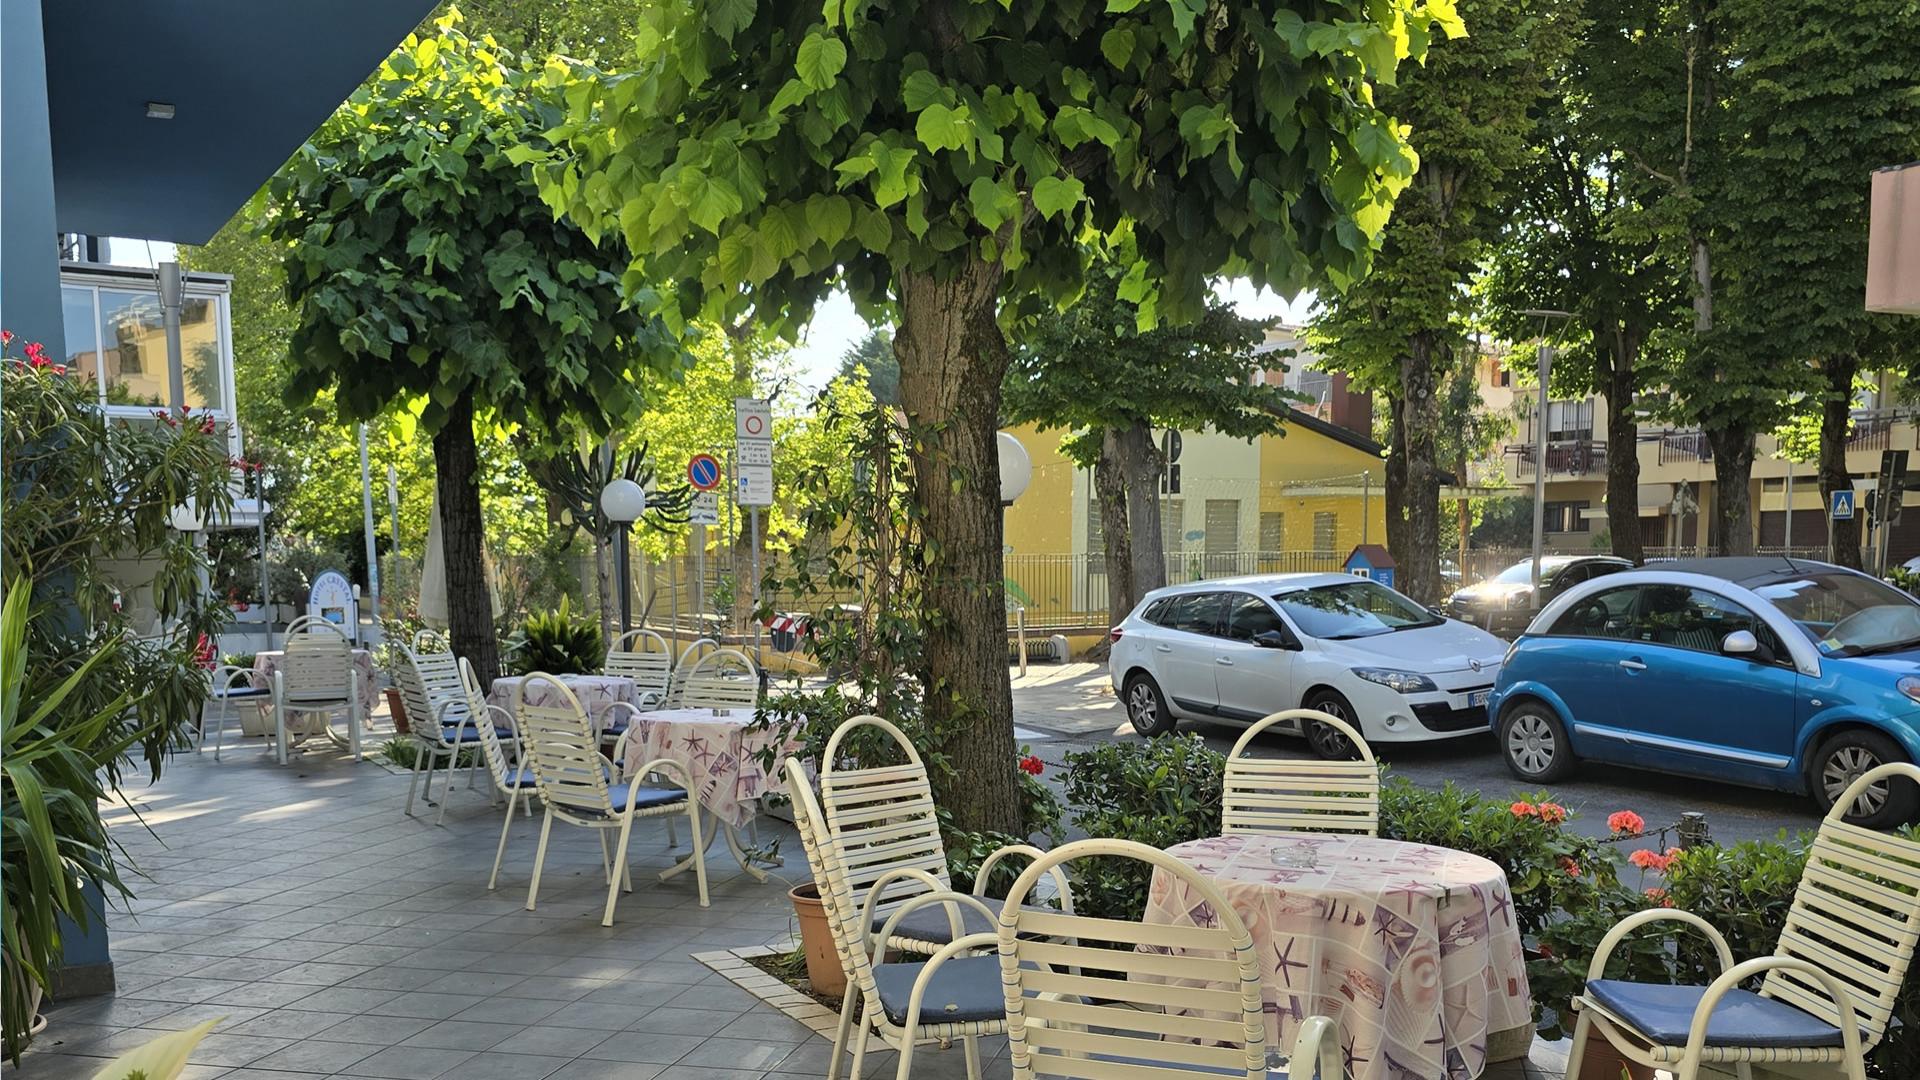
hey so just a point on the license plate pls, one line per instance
(1477, 698)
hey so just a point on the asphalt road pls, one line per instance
(1072, 707)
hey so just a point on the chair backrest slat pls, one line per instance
(490, 748)
(1855, 916)
(561, 745)
(429, 682)
(723, 679)
(836, 895)
(882, 818)
(697, 650)
(1186, 997)
(317, 665)
(1276, 795)
(644, 657)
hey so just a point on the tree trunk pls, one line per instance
(1836, 418)
(469, 605)
(1394, 490)
(952, 358)
(1110, 487)
(1732, 501)
(1141, 463)
(1418, 558)
(1620, 351)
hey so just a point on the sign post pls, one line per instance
(753, 480)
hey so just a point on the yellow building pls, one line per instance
(1299, 500)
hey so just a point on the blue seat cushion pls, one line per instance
(241, 692)
(966, 988)
(930, 923)
(644, 798)
(1664, 1014)
(521, 778)
(467, 734)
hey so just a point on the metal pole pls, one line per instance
(1366, 503)
(393, 506)
(366, 514)
(625, 576)
(1540, 468)
(1020, 632)
(753, 522)
(699, 572)
(260, 520)
(1789, 535)
(168, 274)
(673, 593)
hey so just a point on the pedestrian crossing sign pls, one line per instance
(1842, 509)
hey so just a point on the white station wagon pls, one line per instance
(1238, 649)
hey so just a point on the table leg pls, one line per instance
(710, 825)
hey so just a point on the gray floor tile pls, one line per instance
(763, 1022)
(234, 1050)
(313, 1055)
(683, 1021)
(757, 1055)
(374, 1028)
(347, 999)
(462, 1035)
(287, 1023)
(584, 1069)
(430, 1006)
(511, 1010)
(496, 1066)
(599, 1016)
(544, 1039)
(648, 1046)
(411, 1062)
(697, 1072)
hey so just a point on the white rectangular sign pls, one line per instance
(755, 451)
(752, 419)
(753, 485)
(705, 509)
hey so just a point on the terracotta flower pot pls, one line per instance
(399, 710)
(816, 937)
(1603, 1062)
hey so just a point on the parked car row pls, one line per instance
(1776, 673)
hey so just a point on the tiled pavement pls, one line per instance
(338, 937)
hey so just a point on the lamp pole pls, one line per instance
(1016, 472)
(1545, 316)
(623, 501)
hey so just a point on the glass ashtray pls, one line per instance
(1294, 856)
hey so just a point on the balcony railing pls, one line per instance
(1684, 447)
(1565, 457)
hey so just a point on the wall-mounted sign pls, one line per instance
(331, 598)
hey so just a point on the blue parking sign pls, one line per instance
(1842, 509)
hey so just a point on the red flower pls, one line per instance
(1627, 822)
(37, 354)
(59, 369)
(1648, 859)
(1552, 813)
(1032, 765)
(1659, 896)
(1546, 950)
(1572, 868)
(206, 424)
(1524, 809)
(6, 337)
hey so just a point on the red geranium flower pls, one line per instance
(1648, 859)
(1659, 896)
(1524, 809)
(37, 354)
(1032, 765)
(6, 337)
(1552, 813)
(1572, 868)
(1627, 822)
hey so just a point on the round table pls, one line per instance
(720, 750)
(269, 661)
(1413, 949)
(597, 693)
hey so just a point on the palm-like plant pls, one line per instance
(50, 787)
(559, 644)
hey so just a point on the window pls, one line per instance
(1570, 420)
(1605, 614)
(1846, 614)
(1158, 612)
(1326, 530)
(1195, 613)
(116, 335)
(1273, 530)
(1688, 618)
(1352, 609)
(1500, 374)
(1249, 616)
(1223, 526)
(1567, 517)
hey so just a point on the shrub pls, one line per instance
(1159, 792)
(559, 644)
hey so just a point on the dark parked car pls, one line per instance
(1505, 604)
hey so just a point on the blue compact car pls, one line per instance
(1770, 672)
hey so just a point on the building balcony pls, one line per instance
(1565, 457)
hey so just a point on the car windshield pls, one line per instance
(1847, 614)
(1521, 573)
(1351, 609)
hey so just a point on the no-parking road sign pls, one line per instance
(703, 472)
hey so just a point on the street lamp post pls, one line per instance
(1016, 472)
(623, 501)
(1540, 443)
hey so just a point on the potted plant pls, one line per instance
(560, 644)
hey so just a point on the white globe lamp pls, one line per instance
(623, 501)
(1016, 468)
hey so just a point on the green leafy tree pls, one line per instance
(946, 159)
(424, 266)
(873, 354)
(1090, 368)
(597, 30)
(1402, 330)
(1819, 111)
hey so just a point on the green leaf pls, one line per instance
(830, 216)
(1292, 30)
(1055, 195)
(778, 232)
(736, 255)
(820, 61)
(942, 128)
(713, 201)
(875, 230)
(792, 93)
(921, 89)
(1376, 145)
(993, 203)
(1203, 126)
(1115, 7)
(728, 17)
(1117, 45)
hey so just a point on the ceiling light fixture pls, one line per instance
(159, 110)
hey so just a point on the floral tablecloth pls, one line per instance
(597, 693)
(266, 663)
(1413, 949)
(720, 754)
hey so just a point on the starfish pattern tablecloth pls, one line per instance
(719, 752)
(1413, 949)
(270, 661)
(597, 693)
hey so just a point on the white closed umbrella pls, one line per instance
(433, 573)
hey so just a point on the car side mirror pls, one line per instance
(1274, 639)
(1743, 643)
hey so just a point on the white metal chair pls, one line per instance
(697, 650)
(580, 787)
(644, 657)
(1827, 992)
(887, 834)
(723, 679)
(960, 996)
(1164, 999)
(1265, 795)
(228, 688)
(317, 677)
(430, 640)
(511, 777)
(442, 721)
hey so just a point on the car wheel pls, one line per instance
(1845, 758)
(1145, 705)
(1534, 742)
(1324, 740)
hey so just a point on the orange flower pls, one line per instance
(1572, 868)
(1524, 809)
(1552, 813)
(1626, 822)
(1659, 896)
(1647, 859)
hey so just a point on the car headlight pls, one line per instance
(1909, 686)
(1520, 598)
(1405, 682)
